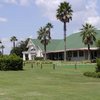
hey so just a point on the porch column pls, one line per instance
(78, 55)
(24, 57)
(29, 56)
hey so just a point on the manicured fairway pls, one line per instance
(63, 83)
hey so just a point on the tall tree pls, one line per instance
(2, 48)
(0, 41)
(49, 26)
(22, 46)
(64, 14)
(13, 39)
(44, 36)
(88, 34)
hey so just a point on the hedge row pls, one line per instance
(11, 62)
(97, 72)
(98, 65)
(39, 62)
(92, 74)
(38, 58)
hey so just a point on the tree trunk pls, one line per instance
(44, 48)
(89, 53)
(13, 44)
(64, 41)
(2, 51)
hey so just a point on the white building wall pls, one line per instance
(37, 50)
(39, 53)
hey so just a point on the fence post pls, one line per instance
(41, 66)
(24, 64)
(31, 65)
(75, 65)
(54, 66)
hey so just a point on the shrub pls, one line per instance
(92, 74)
(11, 62)
(98, 65)
(39, 58)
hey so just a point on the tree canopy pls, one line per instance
(88, 34)
(22, 46)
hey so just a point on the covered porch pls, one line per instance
(29, 55)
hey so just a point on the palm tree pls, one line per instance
(44, 36)
(49, 26)
(64, 14)
(88, 36)
(2, 47)
(0, 41)
(13, 39)
(98, 45)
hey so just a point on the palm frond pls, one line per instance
(64, 12)
(88, 33)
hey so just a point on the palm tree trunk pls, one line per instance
(89, 55)
(64, 41)
(13, 44)
(2, 51)
(45, 49)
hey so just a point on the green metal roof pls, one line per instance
(74, 41)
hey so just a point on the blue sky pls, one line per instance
(23, 18)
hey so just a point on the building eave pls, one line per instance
(74, 49)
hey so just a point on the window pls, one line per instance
(74, 53)
(69, 54)
(95, 54)
(81, 53)
(33, 49)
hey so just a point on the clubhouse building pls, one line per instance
(75, 51)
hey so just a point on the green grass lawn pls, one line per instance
(63, 83)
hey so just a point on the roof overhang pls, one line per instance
(74, 49)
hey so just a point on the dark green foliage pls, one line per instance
(98, 43)
(98, 65)
(20, 48)
(54, 66)
(38, 58)
(17, 51)
(44, 36)
(11, 62)
(88, 33)
(41, 66)
(13, 39)
(47, 62)
(92, 74)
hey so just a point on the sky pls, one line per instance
(23, 18)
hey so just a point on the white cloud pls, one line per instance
(24, 2)
(2, 19)
(94, 20)
(84, 11)
(18, 2)
(92, 15)
(11, 1)
(5, 39)
(91, 4)
(49, 7)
